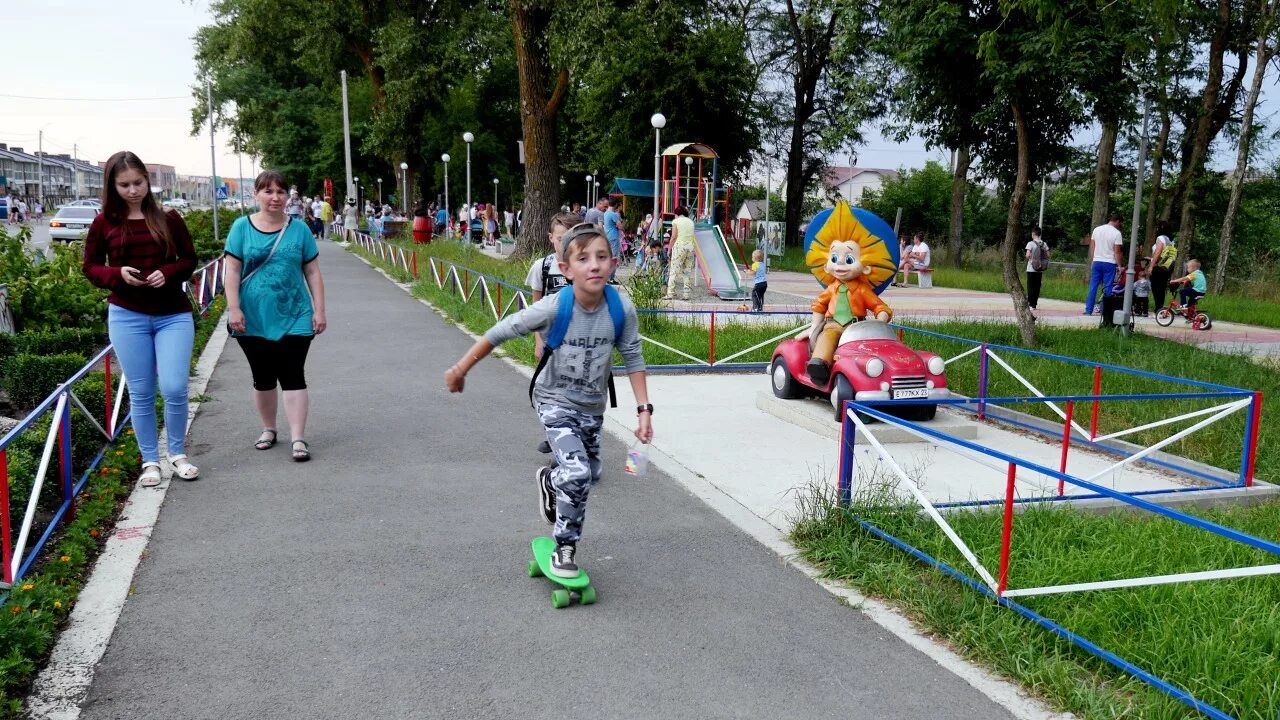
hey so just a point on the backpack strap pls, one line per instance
(619, 317)
(555, 336)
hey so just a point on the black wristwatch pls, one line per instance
(647, 407)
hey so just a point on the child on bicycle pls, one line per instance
(1193, 287)
(571, 393)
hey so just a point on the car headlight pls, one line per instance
(874, 367)
(937, 366)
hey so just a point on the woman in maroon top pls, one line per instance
(143, 255)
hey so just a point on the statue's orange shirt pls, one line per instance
(861, 297)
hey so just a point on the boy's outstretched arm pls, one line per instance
(640, 389)
(455, 376)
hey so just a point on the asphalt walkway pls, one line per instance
(386, 578)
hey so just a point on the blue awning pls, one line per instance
(631, 187)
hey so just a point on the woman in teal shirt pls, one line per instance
(275, 306)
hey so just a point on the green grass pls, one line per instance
(1247, 305)
(1216, 639)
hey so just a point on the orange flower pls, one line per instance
(93, 532)
(104, 471)
(15, 610)
(65, 558)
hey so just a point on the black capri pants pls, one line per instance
(273, 361)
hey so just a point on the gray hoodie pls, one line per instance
(577, 375)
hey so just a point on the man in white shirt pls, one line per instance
(917, 258)
(1106, 247)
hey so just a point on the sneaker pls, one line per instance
(562, 564)
(547, 495)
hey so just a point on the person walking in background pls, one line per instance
(275, 307)
(326, 216)
(143, 255)
(1160, 267)
(1037, 252)
(1105, 247)
(761, 285)
(612, 220)
(682, 254)
(350, 216)
(491, 225)
(293, 208)
(595, 215)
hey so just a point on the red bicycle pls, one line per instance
(1199, 319)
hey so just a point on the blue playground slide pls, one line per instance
(719, 271)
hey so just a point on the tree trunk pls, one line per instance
(538, 123)
(1013, 258)
(1102, 174)
(796, 181)
(1157, 166)
(959, 185)
(1242, 151)
(1208, 122)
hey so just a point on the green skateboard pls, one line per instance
(569, 587)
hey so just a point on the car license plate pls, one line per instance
(75, 227)
(910, 393)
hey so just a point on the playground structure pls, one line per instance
(1023, 479)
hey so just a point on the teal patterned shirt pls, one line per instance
(275, 300)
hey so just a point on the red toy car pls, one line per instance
(870, 364)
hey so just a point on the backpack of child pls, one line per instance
(560, 326)
(1040, 257)
(1168, 256)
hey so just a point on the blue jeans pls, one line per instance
(151, 346)
(1101, 275)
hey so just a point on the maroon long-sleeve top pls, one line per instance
(108, 247)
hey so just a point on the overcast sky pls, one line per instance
(105, 54)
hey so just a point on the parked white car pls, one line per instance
(71, 223)
(177, 204)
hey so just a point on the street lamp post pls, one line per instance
(595, 187)
(449, 218)
(495, 194)
(404, 181)
(468, 138)
(355, 186)
(588, 192)
(688, 173)
(379, 192)
(658, 121)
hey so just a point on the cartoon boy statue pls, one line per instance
(844, 302)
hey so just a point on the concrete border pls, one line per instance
(64, 682)
(1006, 693)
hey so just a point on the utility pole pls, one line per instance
(1041, 222)
(75, 176)
(346, 135)
(1126, 313)
(240, 172)
(40, 173)
(213, 160)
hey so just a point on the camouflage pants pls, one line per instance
(575, 439)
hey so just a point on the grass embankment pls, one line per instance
(1216, 639)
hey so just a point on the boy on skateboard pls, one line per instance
(571, 392)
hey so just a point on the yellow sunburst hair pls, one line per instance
(842, 225)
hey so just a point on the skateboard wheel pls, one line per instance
(534, 570)
(560, 598)
(588, 595)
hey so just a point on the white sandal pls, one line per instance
(183, 467)
(150, 476)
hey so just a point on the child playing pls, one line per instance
(570, 393)
(1193, 287)
(1141, 291)
(544, 275)
(758, 267)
